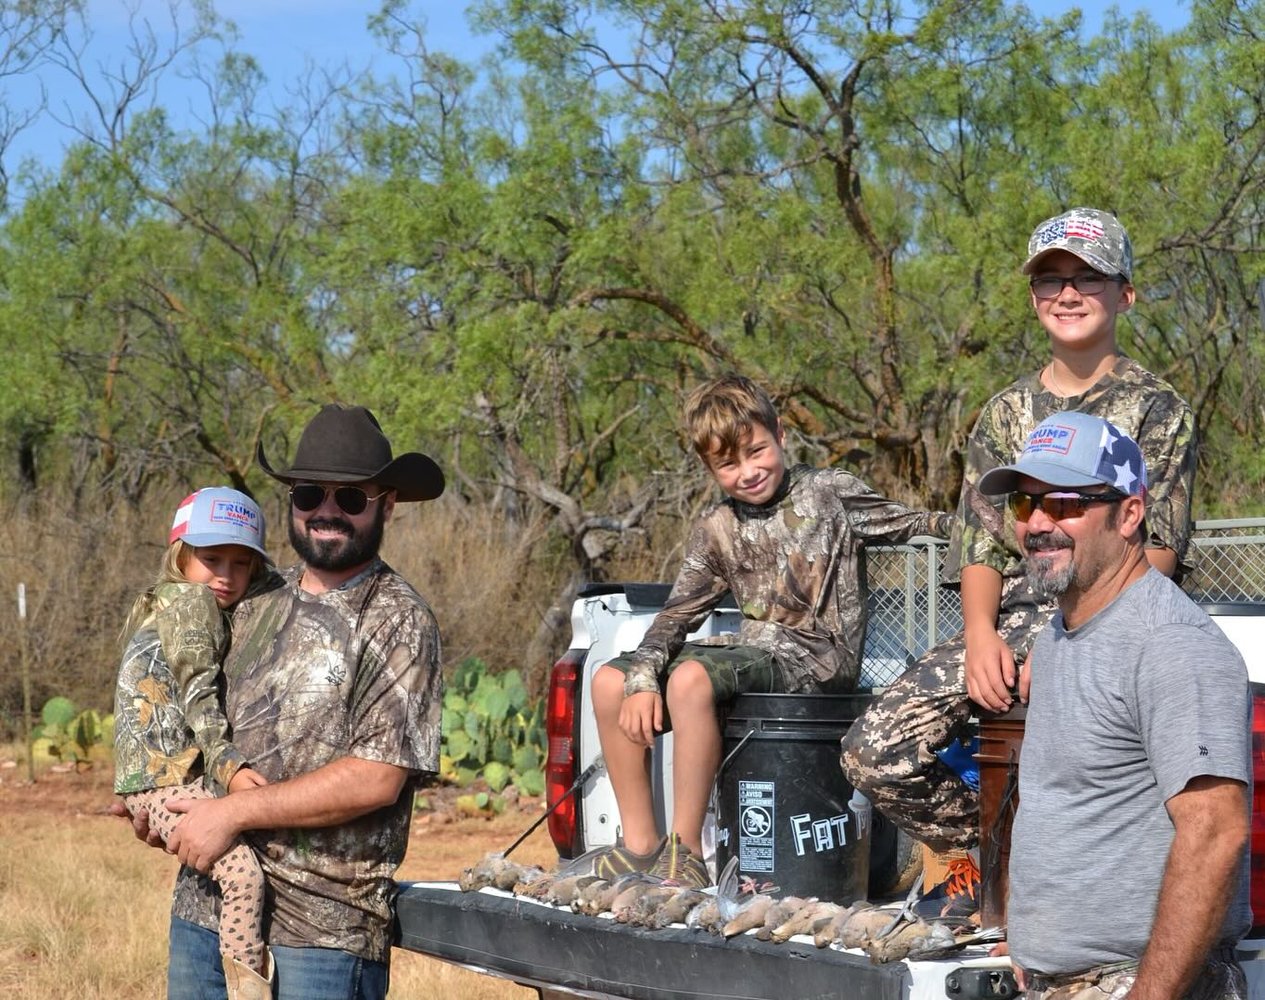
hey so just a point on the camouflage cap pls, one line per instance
(1095, 236)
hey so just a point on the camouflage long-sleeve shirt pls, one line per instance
(167, 711)
(794, 566)
(311, 679)
(1141, 404)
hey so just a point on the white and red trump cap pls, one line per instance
(219, 515)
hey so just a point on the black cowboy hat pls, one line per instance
(345, 444)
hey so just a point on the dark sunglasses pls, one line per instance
(1051, 286)
(350, 499)
(1058, 505)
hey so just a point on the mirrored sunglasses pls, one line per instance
(1058, 505)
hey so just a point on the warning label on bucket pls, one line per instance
(755, 826)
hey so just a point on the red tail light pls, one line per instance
(563, 763)
(1258, 806)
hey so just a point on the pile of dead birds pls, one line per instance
(735, 906)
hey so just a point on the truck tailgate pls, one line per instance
(544, 945)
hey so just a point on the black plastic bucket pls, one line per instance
(784, 808)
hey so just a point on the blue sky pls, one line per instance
(287, 35)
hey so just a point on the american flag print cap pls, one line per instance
(219, 515)
(1095, 236)
(1074, 450)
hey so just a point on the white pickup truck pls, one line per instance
(562, 953)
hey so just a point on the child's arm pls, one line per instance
(990, 663)
(1169, 442)
(641, 717)
(246, 777)
(983, 548)
(875, 518)
(193, 633)
(698, 589)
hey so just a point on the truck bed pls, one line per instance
(562, 953)
(540, 945)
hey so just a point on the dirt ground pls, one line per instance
(58, 792)
(442, 842)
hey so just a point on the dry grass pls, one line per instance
(85, 915)
(84, 908)
(81, 571)
(84, 562)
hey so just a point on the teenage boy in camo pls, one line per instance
(787, 543)
(1080, 268)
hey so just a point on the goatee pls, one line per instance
(1048, 578)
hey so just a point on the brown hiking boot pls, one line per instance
(678, 865)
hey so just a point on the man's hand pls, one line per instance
(1025, 678)
(207, 831)
(246, 777)
(140, 824)
(641, 716)
(990, 669)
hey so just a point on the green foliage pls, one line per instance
(522, 266)
(57, 711)
(492, 730)
(68, 734)
(480, 804)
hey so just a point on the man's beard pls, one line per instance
(337, 554)
(1048, 578)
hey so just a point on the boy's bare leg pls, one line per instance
(627, 764)
(696, 749)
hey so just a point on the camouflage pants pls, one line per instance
(1221, 979)
(890, 751)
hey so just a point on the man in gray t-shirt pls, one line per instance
(1129, 861)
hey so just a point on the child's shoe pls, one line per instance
(957, 895)
(619, 860)
(678, 865)
(244, 983)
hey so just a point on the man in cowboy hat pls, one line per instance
(333, 689)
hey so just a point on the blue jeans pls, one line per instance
(195, 972)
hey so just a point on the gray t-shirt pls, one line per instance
(1125, 711)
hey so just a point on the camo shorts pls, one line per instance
(733, 670)
(1222, 978)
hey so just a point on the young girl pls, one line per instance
(169, 725)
